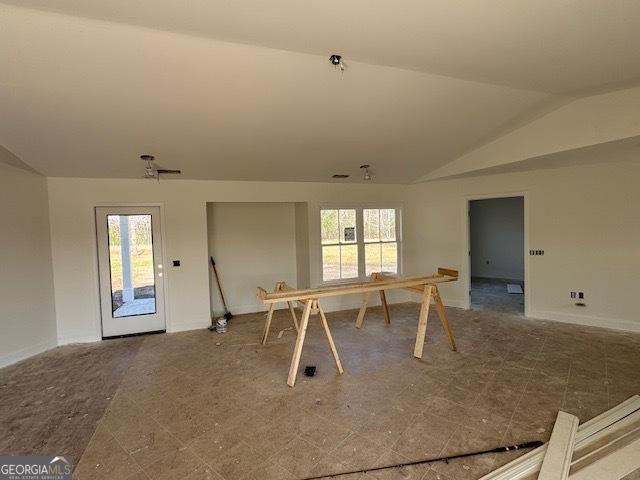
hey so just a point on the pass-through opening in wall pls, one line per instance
(496, 253)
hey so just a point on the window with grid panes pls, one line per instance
(348, 253)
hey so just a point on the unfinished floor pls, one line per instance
(199, 405)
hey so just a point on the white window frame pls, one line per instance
(359, 207)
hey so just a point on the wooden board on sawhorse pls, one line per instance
(429, 293)
(309, 308)
(310, 299)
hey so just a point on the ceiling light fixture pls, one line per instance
(336, 61)
(151, 171)
(367, 173)
(148, 170)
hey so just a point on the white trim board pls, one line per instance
(586, 320)
(557, 458)
(30, 351)
(588, 432)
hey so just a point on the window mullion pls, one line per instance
(360, 241)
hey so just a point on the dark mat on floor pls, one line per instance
(51, 403)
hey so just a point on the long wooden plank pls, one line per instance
(529, 463)
(557, 459)
(347, 289)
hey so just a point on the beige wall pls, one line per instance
(253, 244)
(303, 274)
(27, 313)
(585, 218)
(184, 206)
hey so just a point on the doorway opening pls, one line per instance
(497, 247)
(130, 270)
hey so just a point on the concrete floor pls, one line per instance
(491, 294)
(51, 403)
(190, 408)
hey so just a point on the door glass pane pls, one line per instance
(372, 258)
(329, 226)
(348, 226)
(387, 224)
(348, 261)
(331, 263)
(131, 265)
(390, 257)
(371, 218)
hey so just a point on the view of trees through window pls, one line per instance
(381, 247)
(341, 242)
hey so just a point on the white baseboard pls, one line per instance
(587, 320)
(190, 325)
(83, 339)
(27, 352)
(454, 303)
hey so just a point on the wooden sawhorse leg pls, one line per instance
(363, 309)
(437, 299)
(327, 332)
(385, 307)
(422, 321)
(365, 300)
(267, 324)
(310, 305)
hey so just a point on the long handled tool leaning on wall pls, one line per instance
(227, 314)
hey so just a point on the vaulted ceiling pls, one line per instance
(243, 90)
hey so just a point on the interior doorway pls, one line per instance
(131, 270)
(497, 248)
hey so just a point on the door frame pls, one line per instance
(96, 267)
(465, 274)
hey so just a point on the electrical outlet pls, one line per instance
(573, 295)
(581, 295)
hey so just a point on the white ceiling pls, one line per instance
(626, 150)
(558, 46)
(84, 97)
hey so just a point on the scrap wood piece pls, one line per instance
(281, 332)
(588, 434)
(557, 458)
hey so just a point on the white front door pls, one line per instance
(131, 270)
